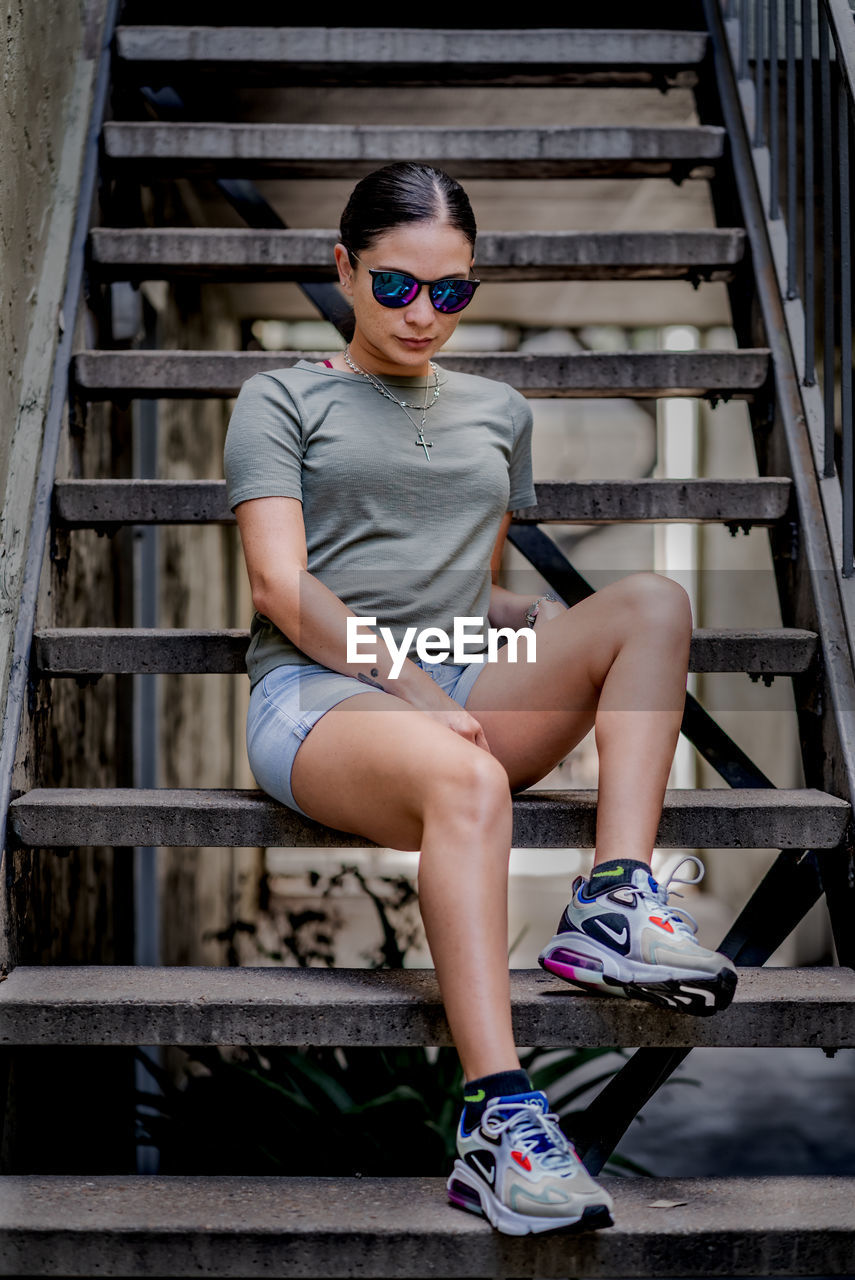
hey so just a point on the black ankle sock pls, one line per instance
(613, 874)
(477, 1093)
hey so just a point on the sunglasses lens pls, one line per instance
(449, 296)
(394, 288)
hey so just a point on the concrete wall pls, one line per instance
(41, 49)
(48, 69)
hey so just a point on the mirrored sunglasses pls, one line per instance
(397, 289)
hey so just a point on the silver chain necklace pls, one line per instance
(420, 443)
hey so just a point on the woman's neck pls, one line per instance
(366, 357)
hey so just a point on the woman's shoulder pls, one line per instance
(292, 388)
(290, 376)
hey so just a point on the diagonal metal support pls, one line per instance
(247, 200)
(787, 892)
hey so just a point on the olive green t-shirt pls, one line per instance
(396, 537)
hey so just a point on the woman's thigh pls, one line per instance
(354, 759)
(534, 713)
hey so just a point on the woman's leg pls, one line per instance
(617, 660)
(376, 766)
(382, 769)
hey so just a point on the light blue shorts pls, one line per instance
(290, 699)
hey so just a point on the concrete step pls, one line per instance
(398, 1228)
(111, 375)
(167, 253)
(71, 651)
(344, 150)
(346, 55)
(278, 1006)
(719, 818)
(107, 503)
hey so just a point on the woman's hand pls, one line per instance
(459, 720)
(418, 689)
(547, 610)
(508, 608)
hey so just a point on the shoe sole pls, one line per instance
(466, 1191)
(701, 995)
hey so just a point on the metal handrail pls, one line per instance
(813, 171)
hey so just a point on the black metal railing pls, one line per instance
(798, 56)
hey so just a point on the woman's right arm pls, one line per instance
(314, 618)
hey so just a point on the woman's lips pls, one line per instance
(416, 342)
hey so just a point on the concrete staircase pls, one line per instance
(148, 1226)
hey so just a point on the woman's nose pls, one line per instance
(419, 311)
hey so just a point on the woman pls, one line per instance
(374, 485)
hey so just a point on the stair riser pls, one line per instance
(501, 256)
(557, 1022)
(369, 1227)
(204, 375)
(93, 503)
(716, 819)
(325, 151)
(79, 653)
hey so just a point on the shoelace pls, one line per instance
(529, 1125)
(679, 916)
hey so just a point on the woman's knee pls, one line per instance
(650, 600)
(472, 785)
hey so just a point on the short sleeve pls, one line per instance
(522, 492)
(263, 452)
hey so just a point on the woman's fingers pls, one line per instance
(474, 732)
(463, 724)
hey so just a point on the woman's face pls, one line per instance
(402, 340)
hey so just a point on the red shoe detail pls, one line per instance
(663, 924)
(521, 1159)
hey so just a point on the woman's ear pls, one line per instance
(345, 270)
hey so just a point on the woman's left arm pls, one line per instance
(508, 608)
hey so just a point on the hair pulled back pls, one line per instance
(401, 193)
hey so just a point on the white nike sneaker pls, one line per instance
(627, 941)
(517, 1169)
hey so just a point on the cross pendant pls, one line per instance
(421, 443)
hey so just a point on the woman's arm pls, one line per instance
(313, 617)
(508, 608)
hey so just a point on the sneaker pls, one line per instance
(517, 1169)
(627, 941)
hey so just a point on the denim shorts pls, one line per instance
(290, 699)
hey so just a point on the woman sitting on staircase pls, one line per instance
(378, 486)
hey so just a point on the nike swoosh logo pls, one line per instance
(489, 1174)
(618, 871)
(475, 1097)
(619, 938)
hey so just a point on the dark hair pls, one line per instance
(401, 193)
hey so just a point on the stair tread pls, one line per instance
(760, 500)
(136, 1225)
(82, 650)
(318, 150)
(246, 254)
(277, 1006)
(167, 817)
(423, 56)
(211, 374)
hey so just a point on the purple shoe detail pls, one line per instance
(564, 963)
(464, 1197)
